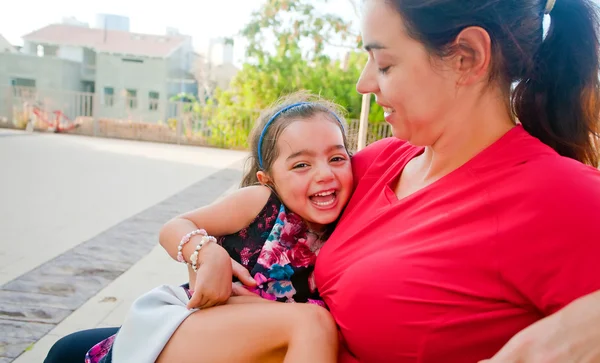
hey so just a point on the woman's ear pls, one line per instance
(473, 55)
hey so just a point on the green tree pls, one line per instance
(287, 43)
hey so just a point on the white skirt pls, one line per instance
(150, 323)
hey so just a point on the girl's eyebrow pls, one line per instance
(312, 153)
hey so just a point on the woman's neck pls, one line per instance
(485, 122)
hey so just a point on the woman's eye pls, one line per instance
(384, 70)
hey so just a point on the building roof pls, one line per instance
(108, 41)
(5, 46)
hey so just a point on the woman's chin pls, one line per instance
(400, 133)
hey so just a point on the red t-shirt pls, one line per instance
(453, 271)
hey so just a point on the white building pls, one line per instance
(112, 22)
(220, 51)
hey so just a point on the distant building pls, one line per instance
(220, 51)
(133, 75)
(112, 22)
(209, 77)
(217, 67)
(5, 46)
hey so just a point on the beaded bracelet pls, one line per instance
(194, 256)
(185, 240)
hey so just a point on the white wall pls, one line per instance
(219, 52)
(71, 53)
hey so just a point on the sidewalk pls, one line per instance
(88, 277)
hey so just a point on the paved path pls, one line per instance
(79, 219)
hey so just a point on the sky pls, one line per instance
(202, 19)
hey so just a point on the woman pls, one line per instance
(475, 226)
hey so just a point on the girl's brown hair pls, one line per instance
(269, 152)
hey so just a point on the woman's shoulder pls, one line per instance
(559, 191)
(523, 165)
(379, 147)
(380, 154)
(566, 180)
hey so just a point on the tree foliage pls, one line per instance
(289, 43)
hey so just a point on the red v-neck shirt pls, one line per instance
(453, 271)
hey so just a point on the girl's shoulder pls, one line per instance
(261, 199)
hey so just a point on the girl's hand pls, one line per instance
(213, 279)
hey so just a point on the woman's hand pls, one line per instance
(571, 335)
(213, 284)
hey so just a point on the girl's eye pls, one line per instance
(337, 158)
(300, 165)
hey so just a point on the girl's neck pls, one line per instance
(316, 229)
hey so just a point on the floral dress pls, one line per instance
(280, 253)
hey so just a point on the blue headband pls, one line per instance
(273, 118)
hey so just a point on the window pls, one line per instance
(23, 82)
(40, 50)
(109, 96)
(132, 60)
(23, 87)
(153, 98)
(131, 98)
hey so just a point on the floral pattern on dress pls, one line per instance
(286, 262)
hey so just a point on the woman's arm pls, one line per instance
(570, 335)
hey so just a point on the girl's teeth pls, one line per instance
(324, 199)
(323, 204)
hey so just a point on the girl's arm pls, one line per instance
(212, 283)
(225, 216)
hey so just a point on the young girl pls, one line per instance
(299, 181)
